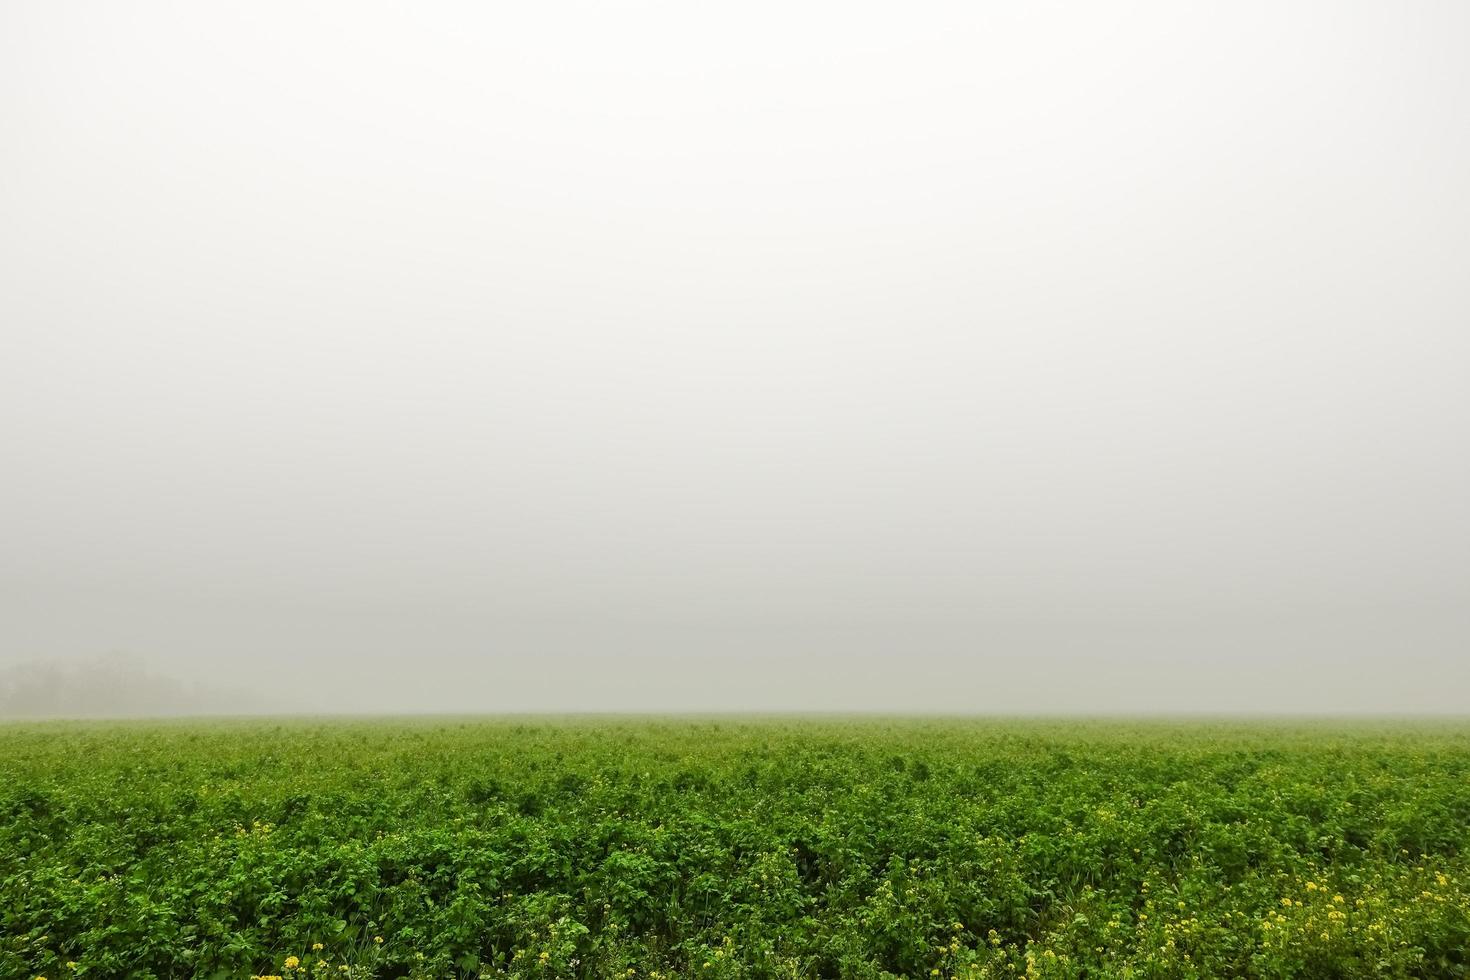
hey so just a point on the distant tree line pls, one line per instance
(109, 687)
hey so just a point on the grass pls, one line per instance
(725, 848)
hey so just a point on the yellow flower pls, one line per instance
(378, 939)
(317, 947)
(292, 962)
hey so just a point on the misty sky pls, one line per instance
(1008, 356)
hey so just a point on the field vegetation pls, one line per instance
(722, 848)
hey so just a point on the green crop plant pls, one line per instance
(733, 848)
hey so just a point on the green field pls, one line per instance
(734, 848)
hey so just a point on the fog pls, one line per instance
(986, 358)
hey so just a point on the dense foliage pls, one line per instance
(725, 848)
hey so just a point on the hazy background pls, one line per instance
(1012, 356)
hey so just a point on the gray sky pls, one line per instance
(1012, 356)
